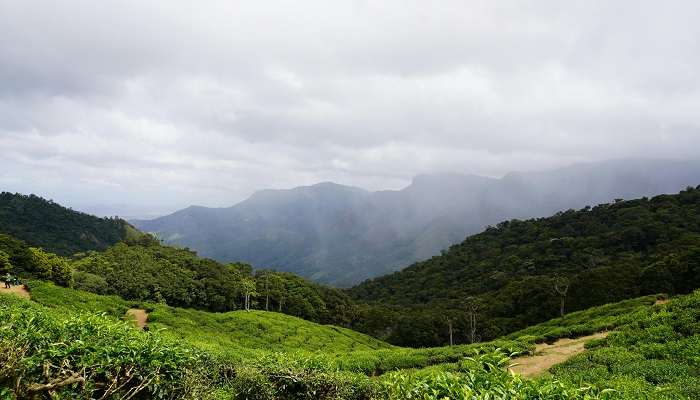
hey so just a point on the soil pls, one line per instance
(547, 355)
(18, 290)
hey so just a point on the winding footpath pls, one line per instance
(547, 355)
(18, 290)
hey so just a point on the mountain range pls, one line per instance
(342, 235)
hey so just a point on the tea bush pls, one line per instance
(656, 354)
(46, 353)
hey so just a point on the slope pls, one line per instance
(342, 235)
(237, 333)
(57, 229)
(507, 274)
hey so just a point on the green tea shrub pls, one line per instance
(47, 353)
(480, 377)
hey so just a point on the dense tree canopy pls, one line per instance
(606, 253)
(57, 229)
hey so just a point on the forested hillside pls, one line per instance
(341, 235)
(57, 229)
(521, 272)
(141, 269)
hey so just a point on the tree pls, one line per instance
(248, 289)
(561, 287)
(472, 315)
(5, 265)
(50, 266)
(449, 327)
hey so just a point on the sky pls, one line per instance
(139, 108)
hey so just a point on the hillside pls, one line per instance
(342, 235)
(77, 337)
(57, 229)
(508, 275)
(236, 333)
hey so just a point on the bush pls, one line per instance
(90, 283)
(88, 356)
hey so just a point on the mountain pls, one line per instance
(342, 235)
(58, 229)
(523, 272)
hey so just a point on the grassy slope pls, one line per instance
(244, 336)
(233, 332)
(585, 322)
(652, 353)
(238, 331)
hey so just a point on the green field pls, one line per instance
(654, 352)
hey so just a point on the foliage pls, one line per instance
(32, 262)
(45, 353)
(144, 270)
(483, 376)
(607, 253)
(236, 333)
(5, 264)
(71, 300)
(580, 323)
(655, 353)
(51, 267)
(57, 229)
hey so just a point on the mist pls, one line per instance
(142, 109)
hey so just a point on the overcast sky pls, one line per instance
(149, 106)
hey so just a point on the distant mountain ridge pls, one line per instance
(342, 235)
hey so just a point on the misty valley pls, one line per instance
(349, 200)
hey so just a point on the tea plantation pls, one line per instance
(72, 344)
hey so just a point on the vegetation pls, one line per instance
(653, 353)
(16, 257)
(70, 343)
(580, 323)
(507, 276)
(43, 223)
(46, 353)
(144, 270)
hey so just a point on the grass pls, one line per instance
(70, 300)
(580, 323)
(654, 352)
(236, 332)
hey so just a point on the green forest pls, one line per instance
(521, 272)
(450, 327)
(57, 229)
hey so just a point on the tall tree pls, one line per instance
(561, 287)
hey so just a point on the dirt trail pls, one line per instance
(18, 290)
(547, 355)
(139, 316)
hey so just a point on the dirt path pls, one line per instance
(139, 316)
(18, 290)
(547, 355)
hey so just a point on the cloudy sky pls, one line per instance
(143, 107)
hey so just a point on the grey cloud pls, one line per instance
(172, 102)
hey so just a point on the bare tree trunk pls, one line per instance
(267, 293)
(561, 286)
(449, 324)
(280, 305)
(561, 309)
(472, 314)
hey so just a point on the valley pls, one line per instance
(143, 319)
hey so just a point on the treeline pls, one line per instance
(58, 229)
(523, 272)
(142, 269)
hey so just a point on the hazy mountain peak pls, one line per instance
(342, 234)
